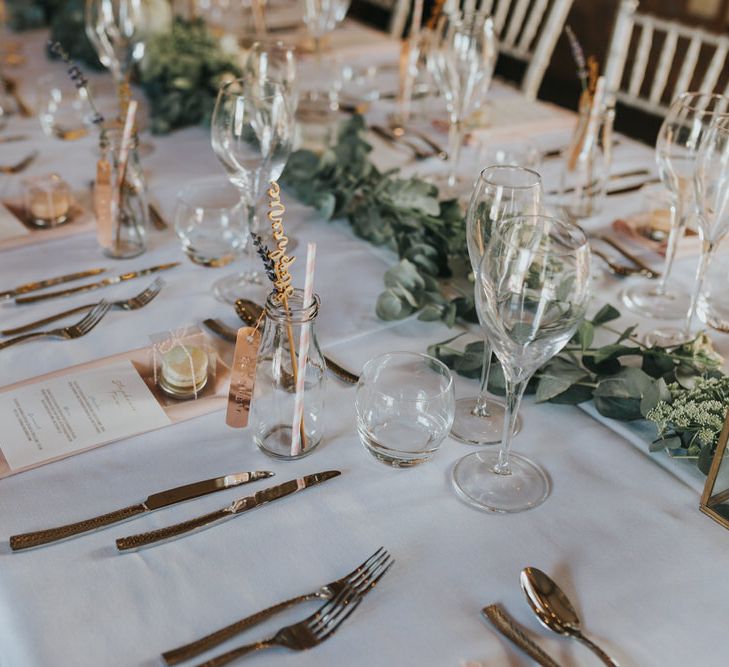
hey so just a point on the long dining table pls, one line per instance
(621, 531)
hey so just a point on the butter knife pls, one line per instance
(235, 508)
(101, 283)
(154, 502)
(508, 628)
(50, 282)
(631, 188)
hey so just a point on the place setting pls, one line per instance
(474, 310)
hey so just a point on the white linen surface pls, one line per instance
(621, 534)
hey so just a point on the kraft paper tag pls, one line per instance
(102, 204)
(242, 377)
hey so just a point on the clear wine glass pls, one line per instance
(502, 192)
(274, 61)
(321, 17)
(461, 58)
(533, 288)
(677, 146)
(252, 131)
(115, 29)
(711, 189)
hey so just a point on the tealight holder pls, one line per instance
(183, 363)
(47, 201)
(715, 498)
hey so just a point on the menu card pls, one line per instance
(58, 416)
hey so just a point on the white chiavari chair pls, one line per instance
(651, 61)
(528, 31)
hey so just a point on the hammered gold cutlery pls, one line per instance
(97, 285)
(11, 88)
(154, 502)
(133, 303)
(648, 271)
(19, 166)
(363, 578)
(509, 629)
(555, 611)
(49, 282)
(81, 328)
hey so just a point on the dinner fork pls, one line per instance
(77, 330)
(20, 166)
(621, 269)
(134, 303)
(362, 579)
(303, 635)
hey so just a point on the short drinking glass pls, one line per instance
(405, 403)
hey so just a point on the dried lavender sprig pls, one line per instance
(579, 56)
(79, 80)
(268, 263)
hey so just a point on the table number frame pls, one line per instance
(715, 501)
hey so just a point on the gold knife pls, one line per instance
(154, 502)
(508, 628)
(101, 283)
(42, 284)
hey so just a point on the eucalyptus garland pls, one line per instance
(401, 213)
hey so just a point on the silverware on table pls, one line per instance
(101, 283)
(222, 330)
(81, 328)
(19, 166)
(399, 131)
(554, 610)
(632, 188)
(157, 219)
(611, 177)
(314, 629)
(362, 578)
(49, 282)
(154, 502)
(13, 137)
(389, 137)
(509, 629)
(11, 88)
(250, 312)
(133, 303)
(621, 269)
(237, 507)
(647, 270)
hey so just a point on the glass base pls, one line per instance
(477, 484)
(714, 311)
(645, 300)
(276, 442)
(666, 337)
(250, 285)
(461, 189)
(475, 429)
(398, 458)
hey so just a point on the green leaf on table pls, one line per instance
(613, 351)
(619, 396)
(606, 314)
(671, 442)
(390, 306)
(557, 377)
(706, 455)
(585, 334)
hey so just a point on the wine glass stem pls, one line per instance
(514, 393)
(455, 139)
(250, 252)
(678, 225)
(481, 409)
(707, 254)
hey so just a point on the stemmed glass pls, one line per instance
(461, 59)
(711, 187)
(251, 130)
(677, 146)
(274, 61)
(533, 288)
(502, 192)
(321, 17)
(114, 28)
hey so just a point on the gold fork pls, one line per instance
(20, 166)
(81, 328)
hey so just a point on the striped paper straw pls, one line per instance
(303, 352)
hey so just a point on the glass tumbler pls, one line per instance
(405, 404)
(274, 392)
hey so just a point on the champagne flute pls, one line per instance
(274, 61)
(533, 288)
(711, 189)
(502, 191)
(677, 146)
(251, 131)
(461, 59)
(321, 17)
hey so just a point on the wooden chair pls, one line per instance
(651, 61)
(528, 31)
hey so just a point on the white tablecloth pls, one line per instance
(621, 534)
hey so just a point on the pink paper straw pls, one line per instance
(303, 352)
